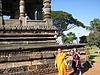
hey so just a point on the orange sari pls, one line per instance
(60, 64)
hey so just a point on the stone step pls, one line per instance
(15, 47)
(27, 42)
(25, 38)
(16, 26)
(24, 45)
(25, 34)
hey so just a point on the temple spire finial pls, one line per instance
(47, 9)
(22, 8)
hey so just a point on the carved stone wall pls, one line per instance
(10, 56)
(26, 50)
(12, 22)
(31, 62)
(40, 69)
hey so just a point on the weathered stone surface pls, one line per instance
(36, 64)
(33, 67)
(2, 71)
(40, 69)
(47, 54)
(25, 55)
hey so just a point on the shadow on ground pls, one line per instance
(85, 67)
(88, 64)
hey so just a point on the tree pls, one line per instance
(65, 21)
(83, 39)
(94, 36)
(95, 24)
(64, 39)
(69, 38)
(94, 39)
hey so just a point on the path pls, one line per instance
(95, 70)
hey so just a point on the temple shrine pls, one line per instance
(27, 39)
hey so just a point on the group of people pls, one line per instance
(60, 62)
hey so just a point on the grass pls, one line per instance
(94, 56)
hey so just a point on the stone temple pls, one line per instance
(27, 39)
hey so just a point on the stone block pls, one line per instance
(2, 71)
(33, 67)
(47, 54)
(36, 55)
(17, 69)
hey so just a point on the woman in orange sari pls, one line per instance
(59, 63)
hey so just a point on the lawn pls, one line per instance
(94, 56)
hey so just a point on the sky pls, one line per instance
(83, 10)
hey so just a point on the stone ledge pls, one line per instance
(18, 27)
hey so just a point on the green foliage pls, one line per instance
(60, 14)
(94, 56)
(95, 24)
(64, 39)
(64, 21)
(69, 38)
(94, 36)
(94, 39)
(83, 39)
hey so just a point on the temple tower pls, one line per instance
(27, 42)
(39, 18)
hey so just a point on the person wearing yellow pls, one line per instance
(59, 63)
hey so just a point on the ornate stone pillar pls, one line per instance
(22, 12)
(22, 8)
(47, 9)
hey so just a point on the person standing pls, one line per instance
(59, 63)
(76, 63)
(27, 17)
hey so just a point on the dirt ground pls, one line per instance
(94, 70)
